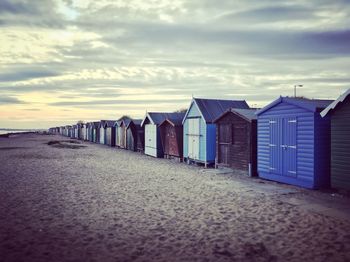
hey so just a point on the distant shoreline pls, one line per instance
(10, 133)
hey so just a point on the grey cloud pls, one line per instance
(10, 100)
(17, 7)
(26, 74)
(95, 103)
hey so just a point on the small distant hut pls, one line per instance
(236, 140)
(117, 132)
(102, 132)
(96, 132)
(171, 134)
(109, 130)
(122, 133)
(133, 134)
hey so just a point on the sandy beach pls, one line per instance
(86, 202)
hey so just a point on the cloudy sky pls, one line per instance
(67, 60)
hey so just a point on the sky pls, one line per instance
(62, 61)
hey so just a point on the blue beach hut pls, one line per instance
(200, 130)
(294, 142)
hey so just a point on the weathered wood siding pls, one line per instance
(236, 143)
(172, 140)
(340, 146)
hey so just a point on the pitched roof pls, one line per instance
(248, 114)
(108, 123)
(96, 124)
(335, 103)
(157, 118)
(118, 122)
(312, 105)
(175, 119)
(213, 108)
(136, 122)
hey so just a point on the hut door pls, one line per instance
(225, 136)
(193, 138)
(275, 145)
(151, 140)
(289, 147)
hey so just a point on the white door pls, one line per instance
(193, 137)
(151, 140)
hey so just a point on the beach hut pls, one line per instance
(75, 131)
(133, 133)
(122, 132)
(81, 131)
(117, 132)
(96, 132)
(109, 130)
(102, 132)
(171, 134)
(199, 128)
(153, 143)
(236, 140)
(87, 131)
(339, 112)
(294, 142)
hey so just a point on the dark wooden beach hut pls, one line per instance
(339, 111)
(134, 132)
(171, 134)
(236, 140)
(199, 128)
(109, 130)
(294, 142)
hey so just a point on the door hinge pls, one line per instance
(292, 121)
(272, 122)
(295, 147)
(292, 172)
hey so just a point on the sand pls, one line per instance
(96, 203)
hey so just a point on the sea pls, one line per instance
(5, 131)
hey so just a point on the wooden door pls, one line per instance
(171, 141)
(224, 140)
(193, 137)
(290, 147)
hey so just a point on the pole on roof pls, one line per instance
(295, 89)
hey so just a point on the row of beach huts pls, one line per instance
(298, 141)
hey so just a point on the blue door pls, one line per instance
(275, 146)
(283, 146)
(289, 147)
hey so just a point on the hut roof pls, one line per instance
(118, 123)
(175, 119)
(213, 108)
(108, 123)
(313, 105)
(136, 122)
(248, 114)
(336, 103)
(96, 124)
(157, 118)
